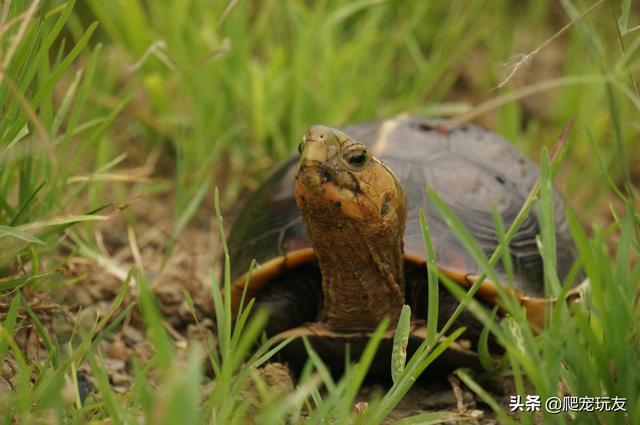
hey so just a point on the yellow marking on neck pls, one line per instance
(348, 204)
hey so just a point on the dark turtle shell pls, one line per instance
(471, 168)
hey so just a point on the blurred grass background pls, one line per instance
(104, 100)
(224, 89)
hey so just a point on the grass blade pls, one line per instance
(400, 341)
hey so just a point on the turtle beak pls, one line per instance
(317, 142)
(313, 152)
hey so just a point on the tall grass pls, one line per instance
(245, 78)
(44, 136)
(234, 84)
(226, 88)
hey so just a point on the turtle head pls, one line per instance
(337, 172)
(354, 210)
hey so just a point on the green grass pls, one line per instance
(222, 91)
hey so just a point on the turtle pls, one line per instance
(336, 236)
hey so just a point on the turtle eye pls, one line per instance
(356, 158)
(300, 147)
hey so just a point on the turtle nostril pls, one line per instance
(317, 133)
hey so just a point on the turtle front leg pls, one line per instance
(292, 299)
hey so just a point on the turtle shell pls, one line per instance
(471, 168)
